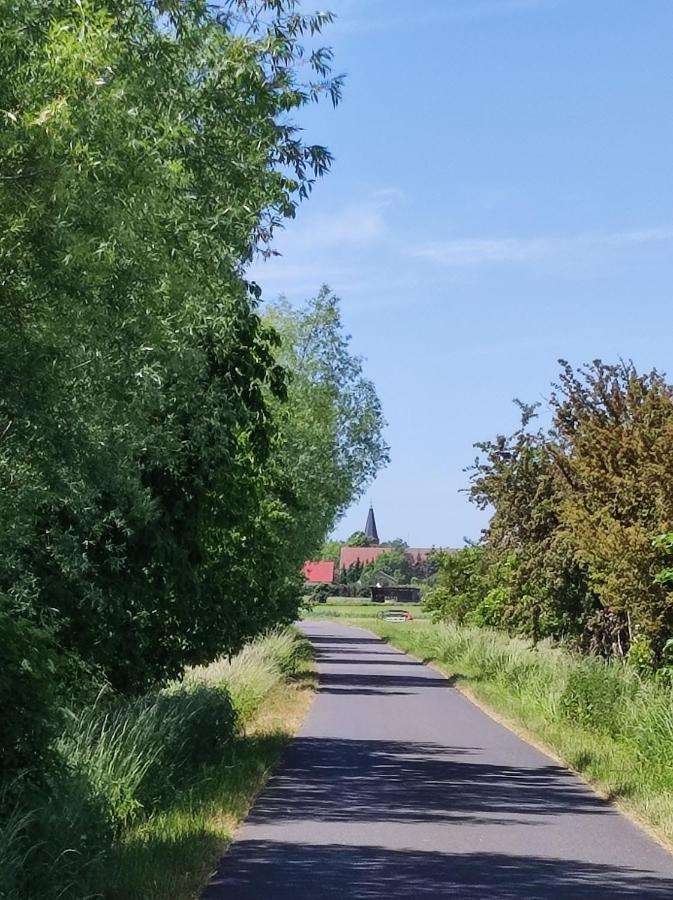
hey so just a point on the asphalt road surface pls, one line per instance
(398, 786)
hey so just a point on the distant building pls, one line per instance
(319, 572)
(419, 554)
(349, 556)
(395, 594)
(370, 527)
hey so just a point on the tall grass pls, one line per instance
(257, 668)
(135, 776)
(603, 718)
(15, 849)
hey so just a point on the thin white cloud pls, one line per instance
(359, 223)
(483, 251)
(333, 247)
(302, 279)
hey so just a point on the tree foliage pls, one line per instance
(578, 509)
(393, 562)
(360, 539)
(330, 551)
(161, 442)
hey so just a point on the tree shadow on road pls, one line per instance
(354, 683)
(262, 869)
(334, 780)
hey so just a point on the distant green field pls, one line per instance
(357, 608)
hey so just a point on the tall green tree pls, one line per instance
(330, 441)
(148, 152)
(614, 459)
(579, 508)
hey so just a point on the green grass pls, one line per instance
(356, 608)
(151, 790)
(601, 718)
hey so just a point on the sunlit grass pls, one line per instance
(356, 608)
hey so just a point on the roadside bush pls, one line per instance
(641, 654)
(15, 849)
(471, 587)
(346, 590)
(121, 762)
(597, 693)
(321, 593)
(651, 727)
(27, 696)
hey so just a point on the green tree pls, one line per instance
(518, 478)
(472, 587)
(394, 562)
(149, 152)
(360, 539)
(614, 430)
(578, 508)
(330, 433)
(396, 543)
(330, 551)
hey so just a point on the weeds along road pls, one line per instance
(397, 786)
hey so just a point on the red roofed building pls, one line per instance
(319, 572)
(351, 555)
(418, 554)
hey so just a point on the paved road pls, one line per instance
(398, 787)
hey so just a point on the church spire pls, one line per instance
(370, 527)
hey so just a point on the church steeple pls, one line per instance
(370, 527)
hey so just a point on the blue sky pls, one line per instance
(502, 196)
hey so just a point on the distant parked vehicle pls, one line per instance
(396, 615)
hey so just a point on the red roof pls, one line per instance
(418, 553)
(350, 555)
(319, 571)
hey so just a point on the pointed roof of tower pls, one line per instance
(370, 527)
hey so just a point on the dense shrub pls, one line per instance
(321, 593)
(163, 477)
(27, 695)
(597, 693)
(251, 674)
(169, 456)
(577, 545)
(124, 761)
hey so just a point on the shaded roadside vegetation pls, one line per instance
(149, 790)
(604, 718)
(170, 451)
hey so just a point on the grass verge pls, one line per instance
(340, 607)
(602, 719)
(151, 791)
